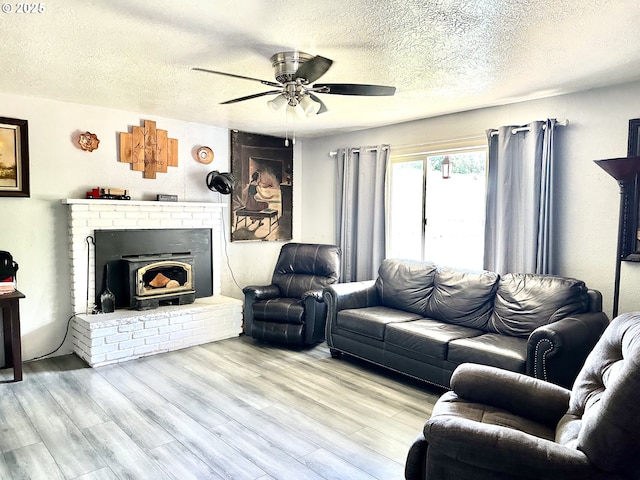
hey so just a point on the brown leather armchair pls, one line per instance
(291, 309)
(497, 424)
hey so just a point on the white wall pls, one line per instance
(587, 197)
(34, 229)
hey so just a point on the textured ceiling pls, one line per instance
(442, 55)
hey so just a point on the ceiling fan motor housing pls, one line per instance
(286, 64)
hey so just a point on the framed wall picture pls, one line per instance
(262, 196)
(633, 147)
(629, 181)
(14, 157)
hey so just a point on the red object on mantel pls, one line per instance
(109, 193)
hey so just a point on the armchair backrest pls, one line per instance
(304, 266)
(605, 400)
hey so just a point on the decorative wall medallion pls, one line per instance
(204, 155)
(148, 149)
(88, 141)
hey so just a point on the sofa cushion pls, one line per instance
(372, 321)
(491, 349)
(427, 337)
(462, 297)
(526, 301)
(405, 284)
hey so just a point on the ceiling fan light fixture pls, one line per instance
(277, 103)
(309, 106)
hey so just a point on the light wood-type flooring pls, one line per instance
(234, 409)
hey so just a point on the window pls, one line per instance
(435, 218)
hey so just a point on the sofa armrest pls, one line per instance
(351, 295)
(537, 400)
(595, 300)
(557, 351)
(509, 452)
(342, 296)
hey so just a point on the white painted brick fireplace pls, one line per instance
(101, 339)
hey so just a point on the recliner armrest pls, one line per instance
(262, 292)
(557, 351)
(315, 294)
(525, 396)
(504, 450)
(252, 294)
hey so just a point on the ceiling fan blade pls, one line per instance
(249, 97)
(264, 82)
(357, 89)
(313, 69)
(323, 107)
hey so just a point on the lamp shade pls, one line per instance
(220, 182)
(277, 103)
(622, 169)
(309, 106)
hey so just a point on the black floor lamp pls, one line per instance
(626, 171)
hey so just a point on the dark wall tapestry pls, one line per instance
(261, 202)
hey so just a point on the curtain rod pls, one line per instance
(357, 150)
(562, 123)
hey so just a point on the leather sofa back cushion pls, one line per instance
(405, 284)
(463, 298)
(526, 301)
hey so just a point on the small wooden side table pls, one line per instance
(11, 331)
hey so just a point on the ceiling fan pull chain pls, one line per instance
(293, 115)
(286, 127)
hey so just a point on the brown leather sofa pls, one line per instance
(498, 425)
(423, 320)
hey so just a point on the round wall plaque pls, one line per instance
(204, 155)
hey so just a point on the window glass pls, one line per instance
(436, 218)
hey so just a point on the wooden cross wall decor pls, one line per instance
(148, 149)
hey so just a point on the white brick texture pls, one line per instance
(123, 335)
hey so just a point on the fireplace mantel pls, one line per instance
(94, 201)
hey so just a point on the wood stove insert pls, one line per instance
(184, 254)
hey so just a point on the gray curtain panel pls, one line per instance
(518, 230)
(360, 210)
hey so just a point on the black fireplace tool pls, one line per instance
(107, 298)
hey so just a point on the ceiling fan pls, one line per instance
(294, 73)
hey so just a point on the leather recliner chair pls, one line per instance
(291, 310)
(497, 424)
